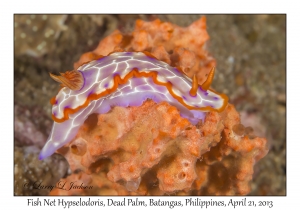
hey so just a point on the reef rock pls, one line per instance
(151, 149)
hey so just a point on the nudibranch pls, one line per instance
(125, 79)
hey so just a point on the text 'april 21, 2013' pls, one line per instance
(149, 202)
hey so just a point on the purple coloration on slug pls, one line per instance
(99, 76)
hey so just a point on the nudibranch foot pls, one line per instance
(129, 94)
(127, 79)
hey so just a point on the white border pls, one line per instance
(8, 8)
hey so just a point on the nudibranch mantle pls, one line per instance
(126, 79)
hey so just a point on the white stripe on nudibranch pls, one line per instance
(166, 83)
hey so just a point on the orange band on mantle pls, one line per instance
(135, 73)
